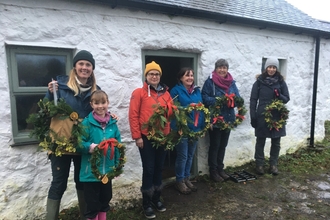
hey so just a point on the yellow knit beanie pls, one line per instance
(152, 66)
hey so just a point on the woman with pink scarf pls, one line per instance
(219, 84)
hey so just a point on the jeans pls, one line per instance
(185, 154)
(259, 155)
(218, 143)
(152, 163)
(60, 172)
(98, 196)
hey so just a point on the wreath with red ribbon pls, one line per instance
(231, 101)
(163, 114)
(197, 108)
(102, 148)
(276, 105)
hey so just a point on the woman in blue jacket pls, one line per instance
(218, 84)
(76, 90)
(98, 126)
(186, 93)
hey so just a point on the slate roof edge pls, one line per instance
(174, 10)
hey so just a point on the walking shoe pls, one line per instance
(159, 206)
(215, 176)
(260, 170)
(223, 175)
(273, 170)
(149, 213)
(190, 185)
(182, 188)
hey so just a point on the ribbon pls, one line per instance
(230, 98)
(240, 116)
(169, 106)
(215, 119)
(104, 145)
(196, 118)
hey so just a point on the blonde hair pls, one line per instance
(73, 84)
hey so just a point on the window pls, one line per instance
(29, 70)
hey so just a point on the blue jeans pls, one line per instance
(60, 172)
(218, 143)
(185, 153)
(152, 163)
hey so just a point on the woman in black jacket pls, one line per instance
(269, 85)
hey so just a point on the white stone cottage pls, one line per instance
(123, 35)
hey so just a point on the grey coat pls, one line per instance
(262, 95)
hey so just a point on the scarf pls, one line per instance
(82, 87)
(271, 80)
(103, 121)
(222, 82)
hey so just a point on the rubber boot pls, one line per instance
(53, 208)
(155, 201)
(146, 203)
(102, 216)
(82, 204)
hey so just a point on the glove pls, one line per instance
(254, 122)
(277, 93)
(91, 147)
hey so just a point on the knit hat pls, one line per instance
(152, 66)
(221, 62)
(271, 61)
(84, 55)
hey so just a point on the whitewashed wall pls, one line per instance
(116, 37)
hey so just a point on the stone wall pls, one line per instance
(116, 37)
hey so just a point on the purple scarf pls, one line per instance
(223, 82)
(102, 121)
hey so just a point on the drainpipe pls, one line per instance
(316, 72)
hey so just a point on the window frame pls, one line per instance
(22, 137)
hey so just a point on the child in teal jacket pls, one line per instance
(99, 126)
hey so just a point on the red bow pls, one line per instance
(104, 145)
(230, 98)
(196, 115)
(240, 116)
(169, 106)
(215, 119)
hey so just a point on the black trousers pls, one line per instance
(275, 148)
(97, 196)
(218, 143)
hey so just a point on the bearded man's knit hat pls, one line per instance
(84, 55)
(152, 66)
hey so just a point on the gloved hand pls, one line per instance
(277, 93)
(254, 122)
(91, 147)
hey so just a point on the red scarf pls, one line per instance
(223, 82)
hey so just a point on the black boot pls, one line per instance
(146, 203)
(155, 201)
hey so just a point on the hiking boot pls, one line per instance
(190, 185)
(223, 175)
(149, 213)
(182, 188)
(159, 206)
(260, 170)
(215, 176)
(273, 170)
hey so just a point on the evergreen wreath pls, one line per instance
(276, 105)
(231, 101)
(162, 115)
(95, 161)
(200, 108)
(50, 140)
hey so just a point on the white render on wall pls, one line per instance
(116, 38)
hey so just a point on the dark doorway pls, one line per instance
(170, 67)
